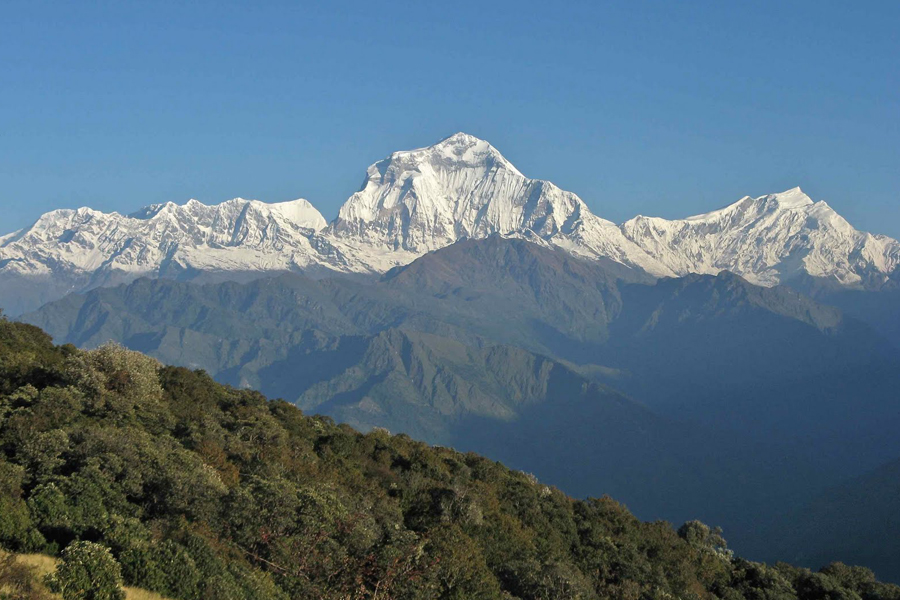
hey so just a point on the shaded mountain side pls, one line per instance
(856, 521)
(21, 294)
(662, 469)
(512, 291)
(421, 383)
(229, 328)
(697, 297)
(880, 309)
(878, 305)
(715, 349)
(719, 350)
(265, 307)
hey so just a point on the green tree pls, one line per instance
(87, 571)
(16, 528)
(702, 536)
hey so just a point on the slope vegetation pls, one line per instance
(205, 491)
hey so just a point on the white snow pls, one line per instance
(234, 235)
(768, 240)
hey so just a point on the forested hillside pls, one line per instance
(204, 491)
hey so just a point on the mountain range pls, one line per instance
(732, 366)
(421, 200)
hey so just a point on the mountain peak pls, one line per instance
(461, 137)
(458, 151)
(300, 212)
(427, 198)
(792, 198)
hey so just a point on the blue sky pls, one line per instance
(655, 108)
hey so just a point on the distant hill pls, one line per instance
(858, 521)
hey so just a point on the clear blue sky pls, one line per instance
(657, 108)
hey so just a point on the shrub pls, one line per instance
(87, 571)
(121, 384)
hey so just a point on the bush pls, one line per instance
(120, 384)
(87, 571)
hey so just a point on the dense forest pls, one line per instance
(199, 490)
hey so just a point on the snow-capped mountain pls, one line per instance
(420, 200)
(237, 234)
(75, 250)
(770, 240)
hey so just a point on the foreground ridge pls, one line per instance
(201, 490)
